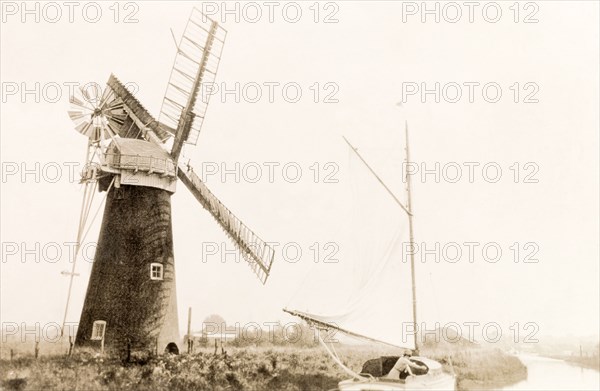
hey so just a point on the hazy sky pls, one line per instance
(369, 57)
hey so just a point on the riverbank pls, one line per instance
(481, 368)
(286, 369)
(585, 362)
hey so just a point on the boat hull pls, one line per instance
(444, 382)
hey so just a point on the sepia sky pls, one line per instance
(536, 200)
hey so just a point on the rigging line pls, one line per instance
(355, 150)
(334, 351)
(78, 247)
(339, 362)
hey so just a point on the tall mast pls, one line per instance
(411, 239)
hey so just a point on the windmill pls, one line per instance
(130, 303)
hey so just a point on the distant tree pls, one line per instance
(213, 324)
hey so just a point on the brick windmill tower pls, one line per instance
(131, 304)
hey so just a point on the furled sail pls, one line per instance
(368, 293)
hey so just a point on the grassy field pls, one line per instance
(262, 368)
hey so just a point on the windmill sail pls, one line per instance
(368, 295)
(255, 251)
(196, 63)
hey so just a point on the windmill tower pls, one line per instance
(130, 303)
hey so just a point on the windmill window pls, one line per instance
(156, 271)
(98, 329)
(119, 193)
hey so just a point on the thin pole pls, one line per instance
(189, 330)
(78, 244)
(377, 176)
(411, 239)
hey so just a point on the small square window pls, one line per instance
(98, 329)
(156, 271)
(119, 193)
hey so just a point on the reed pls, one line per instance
(249, 368)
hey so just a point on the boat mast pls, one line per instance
(411, 239)
(408, 211)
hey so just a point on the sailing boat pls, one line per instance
(364, 319)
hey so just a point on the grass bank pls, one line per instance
(481, 368)
(282, 368)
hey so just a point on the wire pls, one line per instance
(88, 198)
(98, 210)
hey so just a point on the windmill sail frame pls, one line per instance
(254, 250)
(196, 63)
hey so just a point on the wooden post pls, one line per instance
(12, 354)
(70, 345)
(37, 349)
(216, 347)
(189, 331)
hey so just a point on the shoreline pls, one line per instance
(583, 362)
(481, 368)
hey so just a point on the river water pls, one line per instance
(549, 374)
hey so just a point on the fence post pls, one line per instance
(37, 349)
(189, 332)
